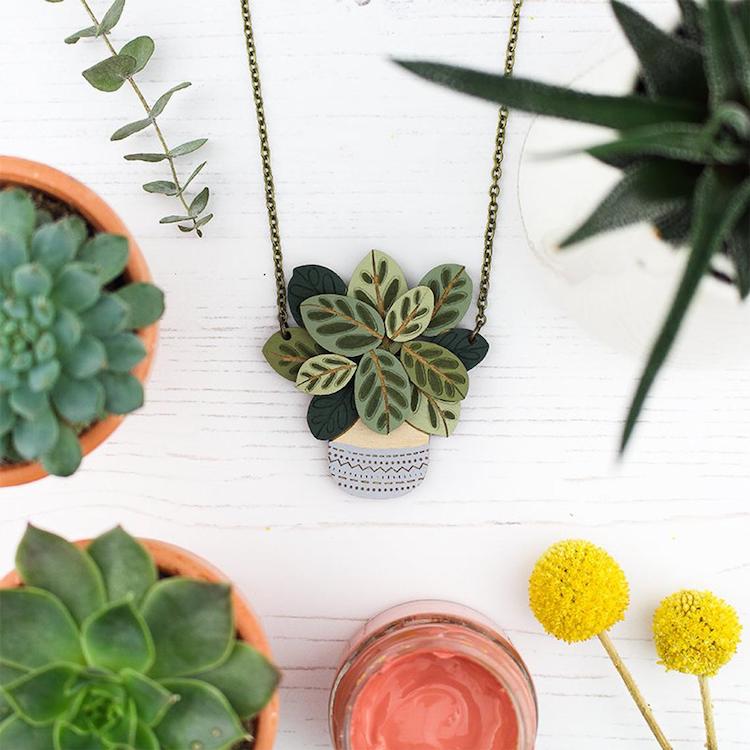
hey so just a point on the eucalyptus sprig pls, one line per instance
(110, 75)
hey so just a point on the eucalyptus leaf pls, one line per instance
(111, 17)
(141, 50)
(130, 129)
(435, 370)
(377, 280)
(330, 416)
(89, 31)
(452, 289)
(287, 355)
(163, 100)
(174, 219)
(193, 175)
(381, 391)
(110, 74)
(149, 157)
(188, 148)
(165, 187)
(199, 203)
(325, 374)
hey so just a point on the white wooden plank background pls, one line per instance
(220, 459)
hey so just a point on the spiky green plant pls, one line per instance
(98, 653)
(683, 145)
(67, 334)
(377, 350)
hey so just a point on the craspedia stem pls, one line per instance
(634, 691)
(708, 714)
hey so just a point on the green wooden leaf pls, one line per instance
(78, 401)
(432, 416)
(325, 374)
(619, 112)
(192, 626)
(287, 355)
(89, 31)
(152, 699)
(435, 370)
(130, 129)
(37, 629)
(452, 288)
(328, 417)
(17, 215)
(52, 563)
(123, 392)
(149, 157)
(109, 75)
(117, 638)
(111, 17)
(124, 351)
(188, 148)
(108, 253)
(202, 718)
(670, 65)
(146, 303)
(471, 351)
(719, 205)
(32, 438)
(16, 733)
(310, 281)
(140, 49)
(647, 192)
(378, 280)
(410, 314)
(381, 391)
(341, 324)
(164, 187)
(64, 458)
(163, 100)
(41, 696)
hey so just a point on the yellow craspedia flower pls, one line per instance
(696, 632)
(577, 590)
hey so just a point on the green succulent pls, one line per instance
(67, 339)
(377, 350)
(98, 653)
(683, 145)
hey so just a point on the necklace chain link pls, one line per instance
(270, 190)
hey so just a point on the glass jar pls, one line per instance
(455, 641)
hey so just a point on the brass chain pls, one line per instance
(270, 193)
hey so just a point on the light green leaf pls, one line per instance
(89, 31)
(123, 392)
(54, 245)
(111, 17)
(50, 562)
(192, 626)
(342, 325)
(381, 391)
(410, 314)
(325, 374)
(377, 280)
(152, 699)
(109, 75)
(140, 49)
(435, 370)
(432, 416)
(108, 253)
(64, 458)
(163, 100)
(68, 737)
(17, 214)
(16, 733)
(199, 203)
(146, 303)
(287, 355)
(188, 148)
(164, 187)
(452, 288)
(145, 739)
(41, 696)
(130, 129)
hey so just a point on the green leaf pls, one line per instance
(55, 245)
(432, 416)
(78, 401)
(50, 562)
(145, 739)
(126, 566)
(17, 213)
(435, 370)
(124, 351)
(201, 718)
(16, 733)
(117, 638)
(164, 187)
(719, 205)
(692, 19)
(674, 227)
(192, 625)
(377, 280)
(410, 314)
(381, 391)
(287, 355)
(44, 375)
(140, 49)
(618, 112)
(27, 403)
(246, 678)
(67, 329)
(342, 325)
(739, 250)
(76, 288)
(111, 17)
(123, 392)
(12, 253)
(452, 288)
(325, 374)
(723, 63)
(7, 414)
(163, 100)
(459, 341)
(670, 65)
(146, 304)
(146, 157)
(64, 458)
(108, 253)
(108, 316)
(37, 629)
(130, 129)
(41, 696)
(68, 737)
(152, 699)
(89, 31)
(176, 218)
(647, 192)
(86, 358)
(330, 416)
(110, 74)
(193, 175)
(187, 148)
(9, 674)
(199, 203)
(310, 281)
(32, 438)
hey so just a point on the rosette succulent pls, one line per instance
(683, 145)
(378, 350)
(98, 653)
(68, 318)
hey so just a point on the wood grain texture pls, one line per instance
(221, 461)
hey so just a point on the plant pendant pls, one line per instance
(384, 363)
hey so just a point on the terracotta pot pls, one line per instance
(175, 561)
(93, 209)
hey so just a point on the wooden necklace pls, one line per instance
(384, 362)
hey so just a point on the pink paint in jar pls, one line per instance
(432, 676)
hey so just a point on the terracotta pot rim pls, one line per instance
(175, 560)
(90, 206)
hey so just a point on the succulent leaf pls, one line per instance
(739, 251)
(64, 458)
(15, 732)
(79, 401)
(117, 638)
(124, 351)
(152, 699)
(108, 253)
(54, 245)
(87, 358)
(32, 438)
(40, 696)
(724, 62)
(17, 213)
(123, 392)
(146, 303)
(76, 287)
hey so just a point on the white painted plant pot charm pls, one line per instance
(366, 464)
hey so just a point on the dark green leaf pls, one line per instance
(163, 100)
(692, 19)
(64, 458)
(111, 17)
(108, 253)
(434, 370)
(459, 342)
(123, 392)
(165, 187)
(174, 219)
(674, 227)
(188, 148)
(110, 74)
(89, 31)
(619, 112)
(724, 66)
(739, 250)
(41, 696)
(130, 129)
(146, 157)
(146, 304)
(199, 203)
(381, 391)
(309, 281)
(50, 562)
(328, 417)
(287, 355)
(719, 205)
(140, 49)
(151, 699)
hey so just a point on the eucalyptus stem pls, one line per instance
(147, 108)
